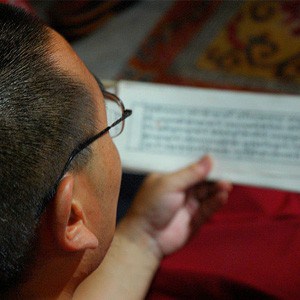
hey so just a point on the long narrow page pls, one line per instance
(254, 138)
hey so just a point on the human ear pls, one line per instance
(69, 224)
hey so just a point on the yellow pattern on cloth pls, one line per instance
(261, 40)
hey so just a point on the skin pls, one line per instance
(78, 228)
(80, 254)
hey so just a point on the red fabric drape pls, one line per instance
(250, 249)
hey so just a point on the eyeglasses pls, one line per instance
(116, 115)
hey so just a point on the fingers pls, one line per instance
(204, 199)
(190, 175)
(212, 204)
(206, 189)
(202, 210)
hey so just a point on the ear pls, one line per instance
(69, 221)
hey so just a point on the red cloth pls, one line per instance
(249, 250)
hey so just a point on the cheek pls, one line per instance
(105, 175)
(114, 176)
(109, 174)
(116, 169)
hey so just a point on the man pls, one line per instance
(60, 178)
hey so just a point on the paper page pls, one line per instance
(254, 138)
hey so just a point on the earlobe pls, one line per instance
(70, 225)
(79, 237)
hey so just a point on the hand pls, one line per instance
(169, 208)
(165, 212)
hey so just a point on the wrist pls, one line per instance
(136, 233)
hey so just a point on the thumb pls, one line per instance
(191, 175)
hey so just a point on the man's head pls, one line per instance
(50, 103)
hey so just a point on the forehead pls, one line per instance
(62, 55)
(66, 59)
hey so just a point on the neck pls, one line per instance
(54, 273)
(51, 277)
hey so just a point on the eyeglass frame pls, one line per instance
(125, 114)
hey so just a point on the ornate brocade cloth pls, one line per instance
(251, 45)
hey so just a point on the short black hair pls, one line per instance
(44, 114)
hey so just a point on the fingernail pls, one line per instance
(205, 163)
(226, 185)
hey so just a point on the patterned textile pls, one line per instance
(261, 40)
(229, 44)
